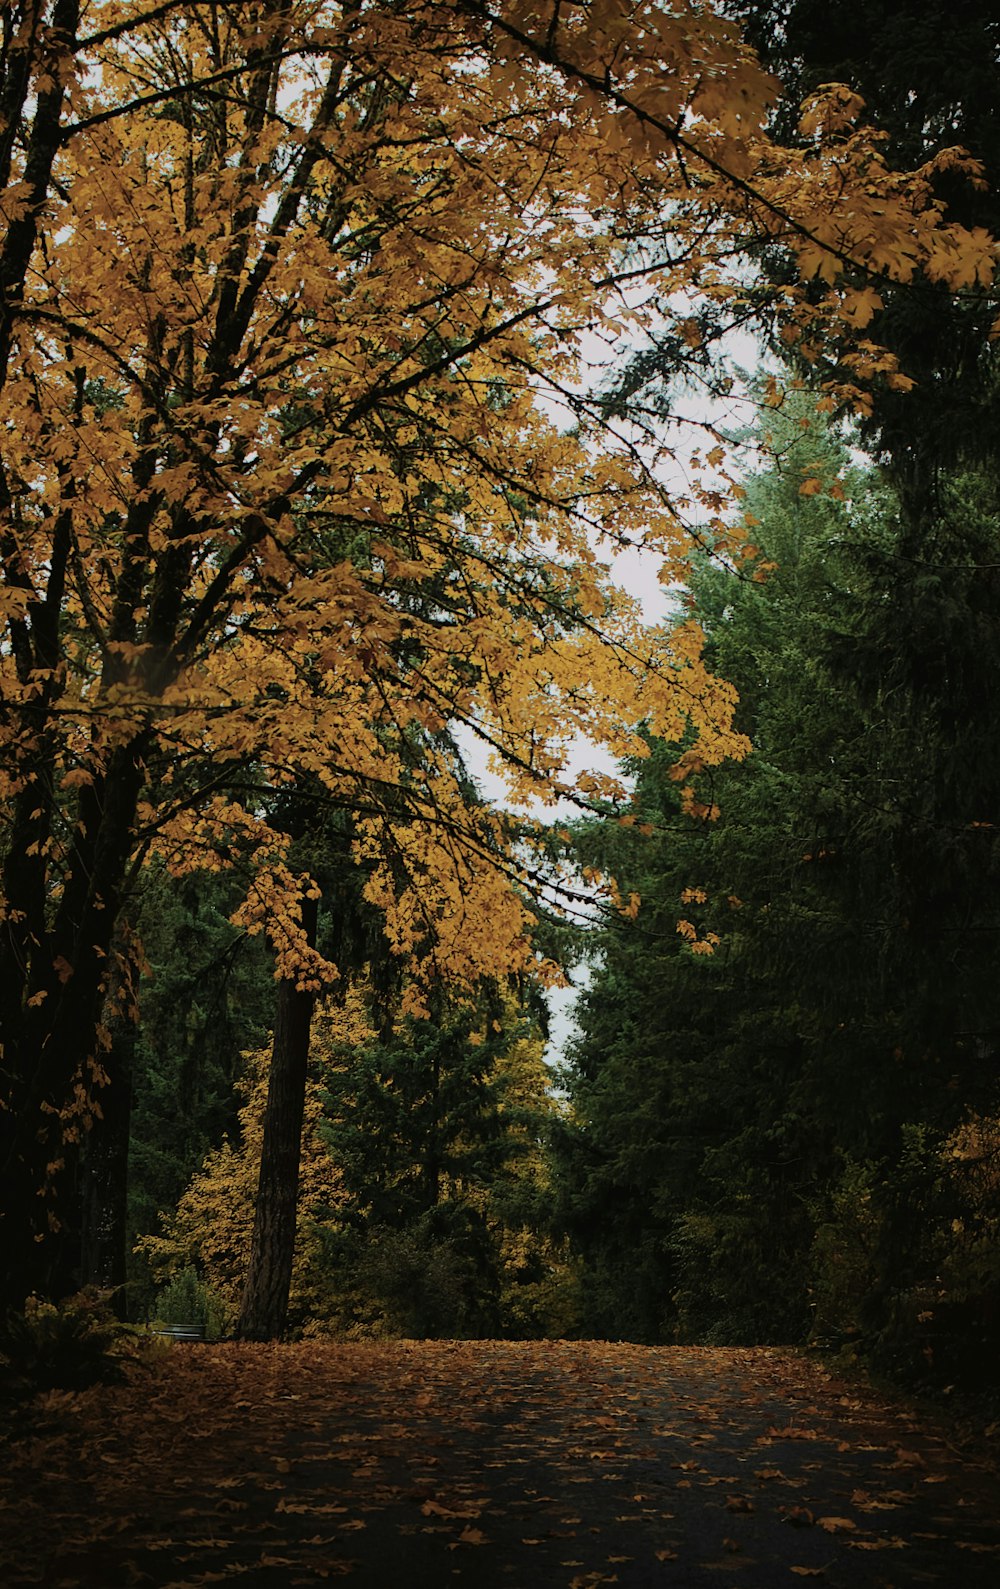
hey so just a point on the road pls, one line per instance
(493, 1466)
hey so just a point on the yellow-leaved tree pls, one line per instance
(299, 469)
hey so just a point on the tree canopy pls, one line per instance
(299, 468)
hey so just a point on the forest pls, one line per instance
(350, 353)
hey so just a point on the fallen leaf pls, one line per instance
(876, 1544)
(738, 1503)
(836, 1525)
(808, 1572)
(799, 1517)
(435, 1509)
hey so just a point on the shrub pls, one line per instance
(63, 1346)
(186, 1299)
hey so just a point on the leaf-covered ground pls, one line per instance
(525, 1465)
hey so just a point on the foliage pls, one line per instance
(927, 76)
(206, 998)
(281, 292)
(438, 1132)
(697, 1136)
(209, 1231)
(186, 1300)
(930, 1222)
(772, 1055)
(423, 1198)
(64, 1346)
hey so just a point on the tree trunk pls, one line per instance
(265, 1296)
(52, 1048)
(104, 1175)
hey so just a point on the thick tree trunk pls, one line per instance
(52, 1054)
(104, 1175)
(265, 1297)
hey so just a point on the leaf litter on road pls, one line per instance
(481, 1463)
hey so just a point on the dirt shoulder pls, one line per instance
(535, 1466)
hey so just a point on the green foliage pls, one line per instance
(804, 1011)
(187, 1300)
(63, 1346)
(436, 1129)
(427, 1280)
(206, 1000)
(845, 1258)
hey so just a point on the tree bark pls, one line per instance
(104, 1175)
(264, 1307)
(50, 1040)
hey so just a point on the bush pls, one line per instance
(846, 1256)
(906, 1257)
(186, 1299)
(63, 1346)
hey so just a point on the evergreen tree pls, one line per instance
(830, 992)
(436, 1130)
(695, 1145)
(205, 1000)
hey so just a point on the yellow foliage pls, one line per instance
(298, 302)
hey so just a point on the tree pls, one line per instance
(206, 998)
(272, 1249)
(780, 1054)
(423, 1204)
(209, 1231)
(704, 1115)
(277, 278)
(928, 76)
(438, 1132)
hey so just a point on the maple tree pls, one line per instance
(281, 286)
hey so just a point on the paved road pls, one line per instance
(491, 1466)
